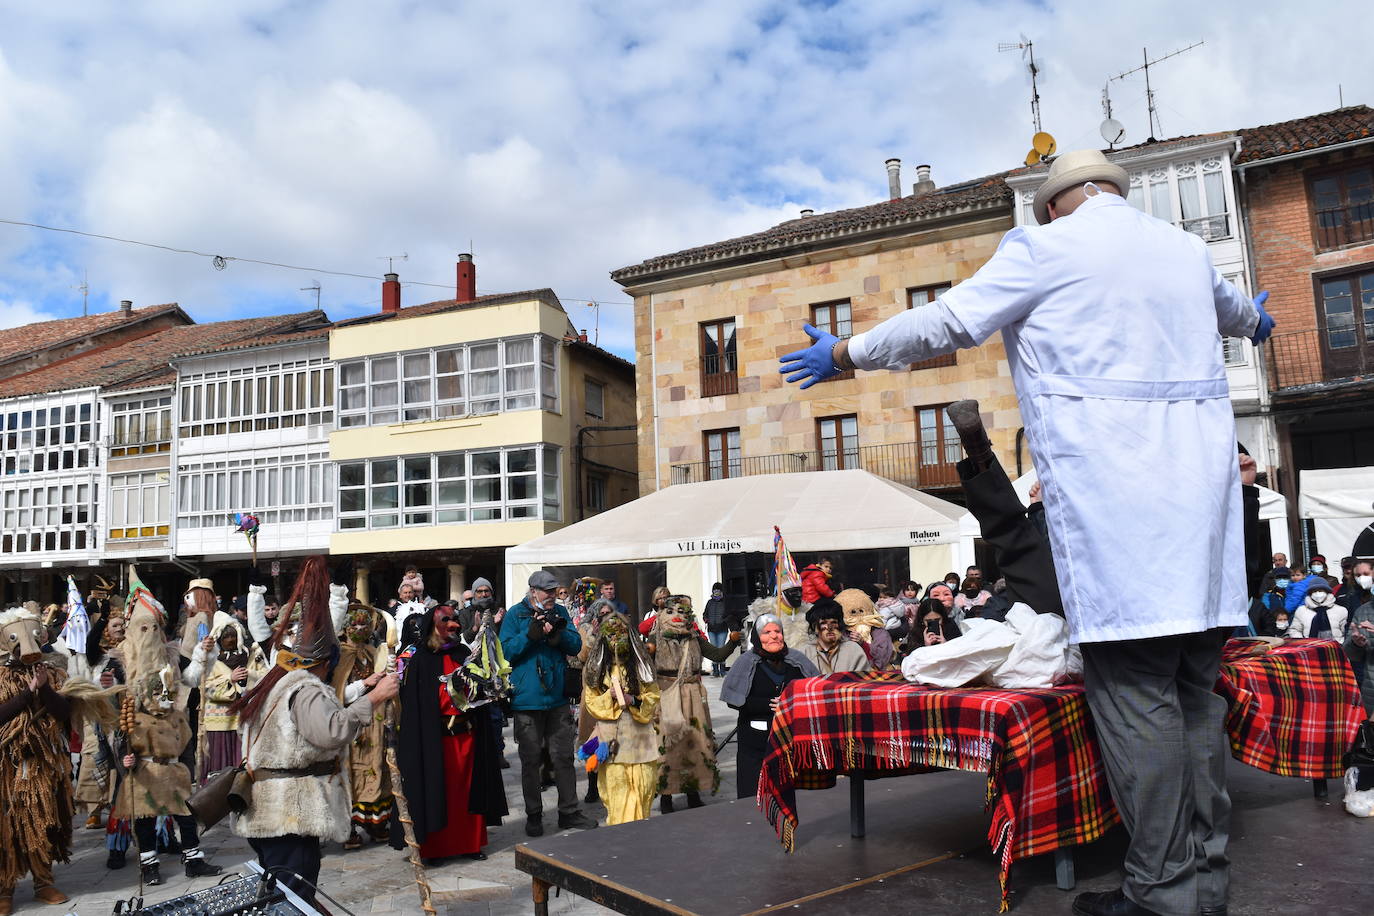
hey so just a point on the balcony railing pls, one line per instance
(1208, 228)
(1339, 226)
(1298, 359)
(900, 462)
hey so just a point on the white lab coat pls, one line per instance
(1112, 322)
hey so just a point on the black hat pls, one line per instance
(1282, 571)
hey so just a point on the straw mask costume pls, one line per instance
(36, 807)
(362, 655)
(689, 749)
(620, 694)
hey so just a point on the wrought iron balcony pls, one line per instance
(1339, 226)
(906, 463)
(1307, 360)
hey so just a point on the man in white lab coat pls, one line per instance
(1112, 322)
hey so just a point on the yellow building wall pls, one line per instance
(525, 427)
(439, 537)
(769, 308)
(485, 322)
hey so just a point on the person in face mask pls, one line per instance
(1360, 590)
(1297, 589)
(1271, 604)
(1318, 617)
(971, 597)
(470, 615)
(717, 624)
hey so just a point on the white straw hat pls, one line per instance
(1074, 168)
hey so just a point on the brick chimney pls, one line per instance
(894, 179)
(923, 183)
(126, 307)
(391, 293)
(467, 279)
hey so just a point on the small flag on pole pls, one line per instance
(78, 625)
(784, 571)
(248, 525)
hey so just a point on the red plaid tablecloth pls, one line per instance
(1293, 710)
(1046, 784)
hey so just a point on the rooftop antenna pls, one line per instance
(596, 322)
(85, 293)
(1027, 49)
(316, 289)
(1111, 129)
(391, 259)
(1149, 92)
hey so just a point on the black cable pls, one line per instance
(222, 261)
(284, 869)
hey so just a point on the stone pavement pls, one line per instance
(372, 880)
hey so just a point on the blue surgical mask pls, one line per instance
(1318, 569)
(1280, 583)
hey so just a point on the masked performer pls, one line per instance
(155, 732)
(620, 695)
(363, 661)
(447, 749)
(866, 626)
(93, 777)
(295, 734)
(226, 683)
(689, 745)
(36, 807)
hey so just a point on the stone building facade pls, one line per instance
(711, 322)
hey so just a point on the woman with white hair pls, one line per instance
(753, 686)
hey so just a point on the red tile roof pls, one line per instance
(301, 334)
(45, 335)
(143, 362)
(980, 194)
(1354, 122)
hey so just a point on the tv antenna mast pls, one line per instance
(316, 290)
(1027, 49)
(85, 289)
(1153, 124)
(390, 258)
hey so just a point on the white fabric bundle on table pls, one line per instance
(1029, 650)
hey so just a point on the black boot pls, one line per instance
(200, 868)
(694, 800)
(152, 874)
(967, 422)
(115, 861)
(593, 792)
(1111, 903)
(665, 804)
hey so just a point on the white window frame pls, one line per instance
(256, 398)
(452, 484)
(279, 488)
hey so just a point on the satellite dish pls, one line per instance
(1032, 158)
(1112, 130)
(1043, 144)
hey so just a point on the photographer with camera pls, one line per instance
(536, 637)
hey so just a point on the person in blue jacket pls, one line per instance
(537, 637)
(1297, 590)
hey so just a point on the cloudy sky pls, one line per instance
(558, 139)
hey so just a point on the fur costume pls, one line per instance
(36, 807)
(315, 806)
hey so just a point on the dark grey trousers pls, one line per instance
(552, 728)
(1162, 734)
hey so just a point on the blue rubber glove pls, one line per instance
(814, 364)
(1266, 324)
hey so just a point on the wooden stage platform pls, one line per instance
(925, 851)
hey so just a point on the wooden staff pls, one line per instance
(403, 810)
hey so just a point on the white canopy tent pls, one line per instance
(690, 526)
(1273, 509)
(1340, 502)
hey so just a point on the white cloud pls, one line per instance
(563, 139)
(14, 314)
